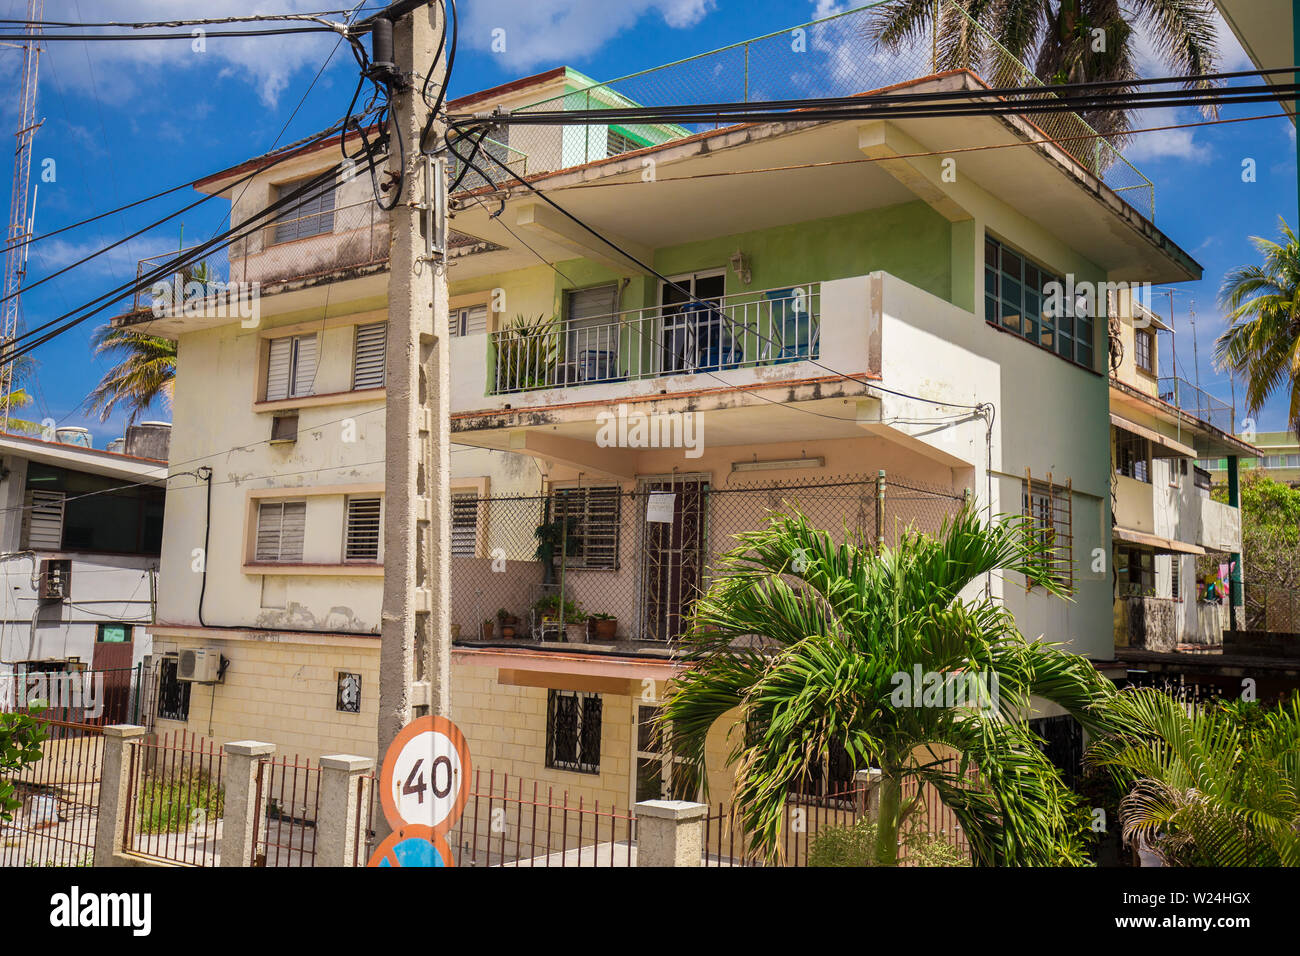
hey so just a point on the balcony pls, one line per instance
(744, 331)
(1197, 403)
(768, 338)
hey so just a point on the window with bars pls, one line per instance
(660, 774)
(364, 528)
(312, 215)
(1176, 577)
(1132, 456)
(1050, 509)
(1016, 298)
(1143, 351)
(573, 730)
(470, 320)
(368, 351)
(173, 694)
(593, 517)
(829, 781)
(1136, 570)
(464, 524)
(281, 528)
(291, 366)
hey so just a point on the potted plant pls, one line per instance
(602, 626)
(508, 623)
(485, 629)
(553, 538)
(528, 354)
(560, 621)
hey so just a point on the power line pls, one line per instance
(119, 37)
(136, 24)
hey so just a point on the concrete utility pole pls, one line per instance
(415, 651)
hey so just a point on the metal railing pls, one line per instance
(56, 823)
(508, 822)
(175, 799)
(831, 56)
(286, 807)
(743, 330)
(1198, 403)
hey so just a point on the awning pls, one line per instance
(1156, 543)
(1162, 446)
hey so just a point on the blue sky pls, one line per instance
(125, 120)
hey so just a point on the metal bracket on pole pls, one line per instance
(434, 208)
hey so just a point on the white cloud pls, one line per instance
(1166, 144)
(121, 70)
(556, 31)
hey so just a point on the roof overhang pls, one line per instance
(752, 177)
(91, 461)
(1266, 31)
(1161, 445)
(1206, 440)
(1155, 542)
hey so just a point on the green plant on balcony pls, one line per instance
(555, 537)
(528, 353)
(552, 608)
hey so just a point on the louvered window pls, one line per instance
(312, 215)
(469, 321)
(291, 367)
(365, 523)
(43, 521)
(464, 525)
(368, 355)
(593, 518)
(281, 526)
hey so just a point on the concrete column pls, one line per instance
(868, 786)
(670, 832)
(336, 824)
(114, 780)
(240, 816)
(1235, 596)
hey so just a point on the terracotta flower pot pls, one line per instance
(485, 631)
(606, 630)
(508, 632)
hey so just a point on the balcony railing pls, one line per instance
(1202, 406)
(746, 330)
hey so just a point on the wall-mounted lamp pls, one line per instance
(780, 464)
(740, 266)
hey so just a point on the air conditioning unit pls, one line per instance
(199, 665)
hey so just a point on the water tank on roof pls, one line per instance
(117, 446)
(70, 435)
(149, 440)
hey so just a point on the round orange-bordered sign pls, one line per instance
(412, 846)
(426, 776)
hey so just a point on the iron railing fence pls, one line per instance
(1198, 403)
(286, 805)
(175, 798)
(55, 825)
(833, 56)
(743, 330)
(628, 562)
(95, 696)
(511, 822)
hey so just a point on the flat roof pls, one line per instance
(93, 461)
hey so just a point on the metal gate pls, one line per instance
(672, 554)
(55, 826)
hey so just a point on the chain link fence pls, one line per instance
(608, 563)
(833, 56)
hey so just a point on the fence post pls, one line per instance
(868, 787)
(670, 832)
(114, 791)
(880, 511)
(240, 817)
(336, 830)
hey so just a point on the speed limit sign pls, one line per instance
(425, 778)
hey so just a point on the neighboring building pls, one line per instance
(81, 532)
(874, 314)
(1168, 532)
(1279, 459)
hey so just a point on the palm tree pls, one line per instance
(1205, 785)
(144, 373)
(1262, 341)
(1068, 41)
(839, 625)
(24, 371)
